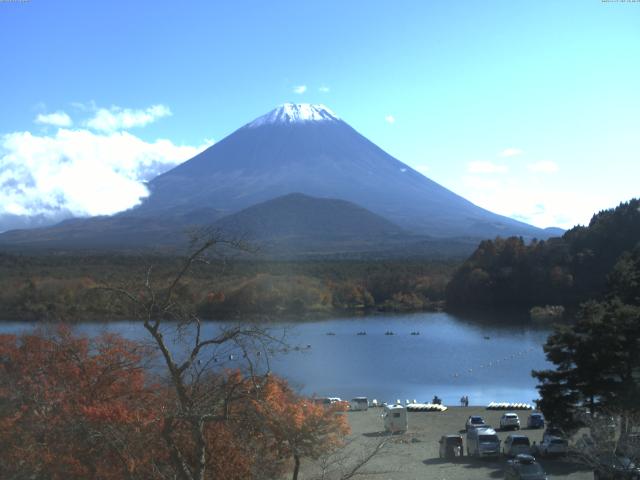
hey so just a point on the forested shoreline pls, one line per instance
(581, 265)
(74, 287)
(502, 274)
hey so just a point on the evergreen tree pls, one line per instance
(597, 365)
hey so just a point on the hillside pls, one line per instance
(287, 227)
(301, 216)
(298, 223)
(561, 271)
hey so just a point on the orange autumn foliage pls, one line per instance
(77, 408)
(300, 427)
(74, 408)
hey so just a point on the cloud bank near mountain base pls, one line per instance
(100, 169)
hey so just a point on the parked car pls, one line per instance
(483, 442)
(524, 467)
(450, 446)
(611, 466)
(474, 421)
(509, 421)
(551, 445)
(515, 445)
(535, 420)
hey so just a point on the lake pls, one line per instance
(486, 359)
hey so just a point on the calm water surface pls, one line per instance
(451, 357)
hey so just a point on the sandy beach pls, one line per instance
(414, 455)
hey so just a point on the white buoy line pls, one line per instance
(495, 363)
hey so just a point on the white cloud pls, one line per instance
(532, 200)
(481, 166)
(116, 118)
(511, 152)
(79, 172)
(57, 119)
(544, 166)
(390, 119)
(324, 89)
(300, 89)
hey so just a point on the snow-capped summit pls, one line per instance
(290, 113)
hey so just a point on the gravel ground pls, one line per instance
(414, 455)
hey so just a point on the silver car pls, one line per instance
(510, 421)
(474, 421)
(515, 445)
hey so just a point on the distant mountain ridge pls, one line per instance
(299, 148)
(291, 226)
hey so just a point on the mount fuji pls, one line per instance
(309, 149)
(296, 148)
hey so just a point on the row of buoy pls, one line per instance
(388, 332)
(230, 357)
(508, 406)
(495, 363)
(297, 348)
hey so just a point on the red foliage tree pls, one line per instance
(300, 427)
(77, 408)
(72, 408)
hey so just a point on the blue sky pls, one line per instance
(529, 108)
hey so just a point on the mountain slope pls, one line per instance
(307, 149)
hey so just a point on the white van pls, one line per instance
(395, 418)
(483, 442)
(359, 403)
